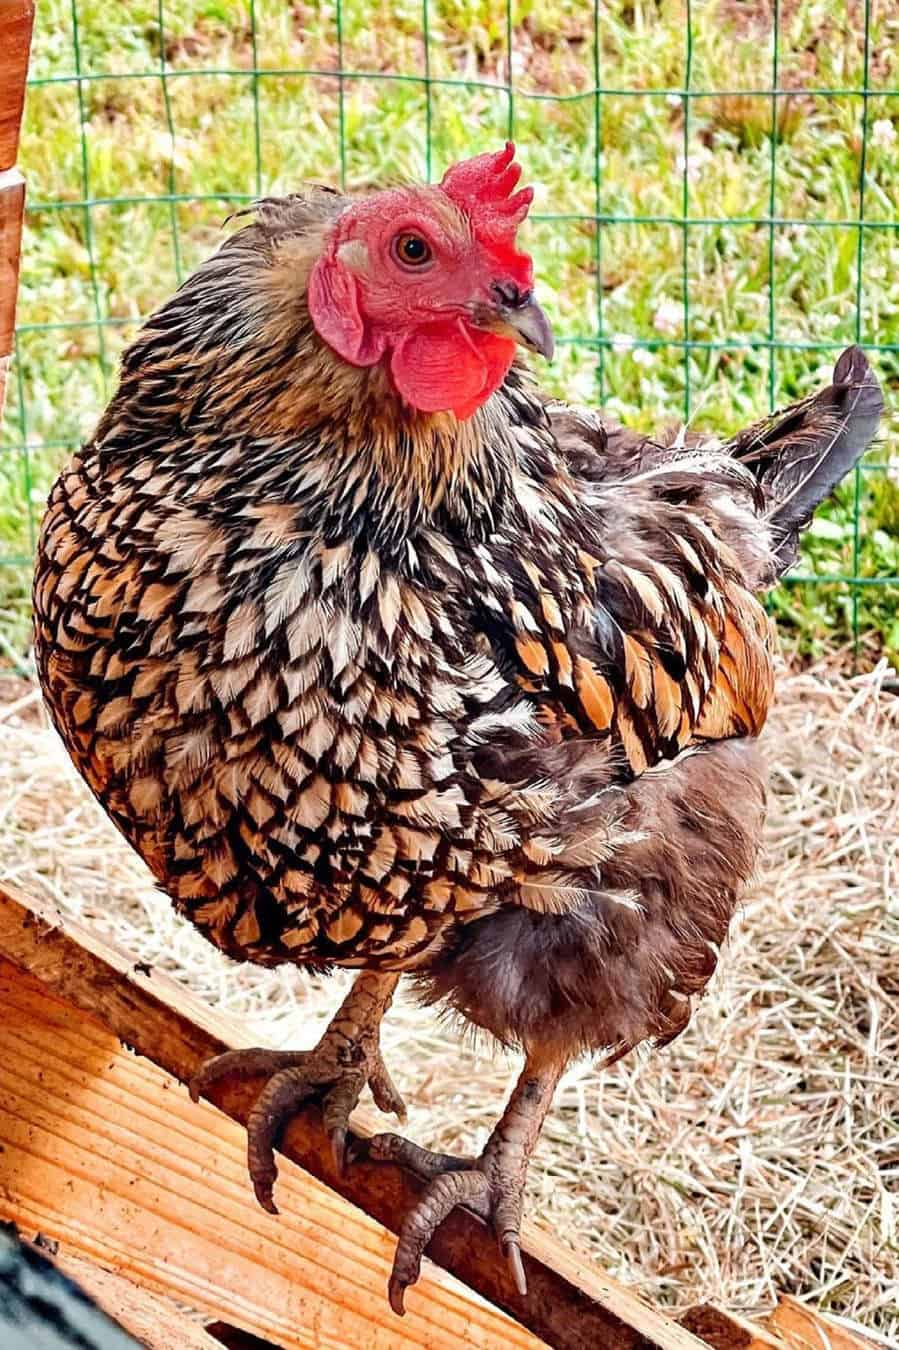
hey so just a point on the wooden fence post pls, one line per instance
(16, 21)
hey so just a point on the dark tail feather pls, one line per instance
(801, 454)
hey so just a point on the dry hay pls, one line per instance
(759, 1153)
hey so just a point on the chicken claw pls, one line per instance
(346, 1058)
(491, 1187)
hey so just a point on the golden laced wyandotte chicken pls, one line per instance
(381, 659)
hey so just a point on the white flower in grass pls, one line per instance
(695, 161)
(883, 133)
(519, 64)
(169, 149)
(617, 408)
(668, 318)
(622, 342)
(644, 357)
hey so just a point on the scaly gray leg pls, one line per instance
(346, 1058)
(492, 1186)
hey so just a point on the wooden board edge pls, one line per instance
(156, 1322)
(802, 1327)
(109, 1160)
(12, 210)
(726, 1330)
(570, 1301)
(16, 24)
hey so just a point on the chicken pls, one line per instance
(381, 659)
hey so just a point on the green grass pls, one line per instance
(193, 139)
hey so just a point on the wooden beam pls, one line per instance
(16, 21)
(156, 1322)
(570, 1302)
(803, 1328)
(12, 206)
(725, 1330)
(106, 1155)
(232, 1338)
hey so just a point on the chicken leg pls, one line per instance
(492, 1186)
(346, 1058)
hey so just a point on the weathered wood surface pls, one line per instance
(103, 1152)
(570, 1303)
(803, 1328)
(16, 21)
(791, 1326)
(12, 205)
(153, 1320)
(729, 1331)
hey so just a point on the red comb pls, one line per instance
(483, 187)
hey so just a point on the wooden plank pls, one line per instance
(103, 1153)
(725, 1330)
(155, 1321)
(16, 21)
(570, 1302)
(803, 1328)
(12, 206)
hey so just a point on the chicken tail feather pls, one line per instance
(799, 455)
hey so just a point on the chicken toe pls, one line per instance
(335, 1072)
(491, 1186)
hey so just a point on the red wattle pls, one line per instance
(448, 367)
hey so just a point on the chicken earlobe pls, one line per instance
(346, 1058)
(491, 1186)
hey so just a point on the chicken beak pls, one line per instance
(529, 326)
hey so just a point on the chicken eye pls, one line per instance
(411, 250)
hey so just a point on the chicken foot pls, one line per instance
(346, 1058)
(491, 1186)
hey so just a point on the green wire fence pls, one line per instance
(716, 214)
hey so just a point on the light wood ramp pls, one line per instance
(102, 1151)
